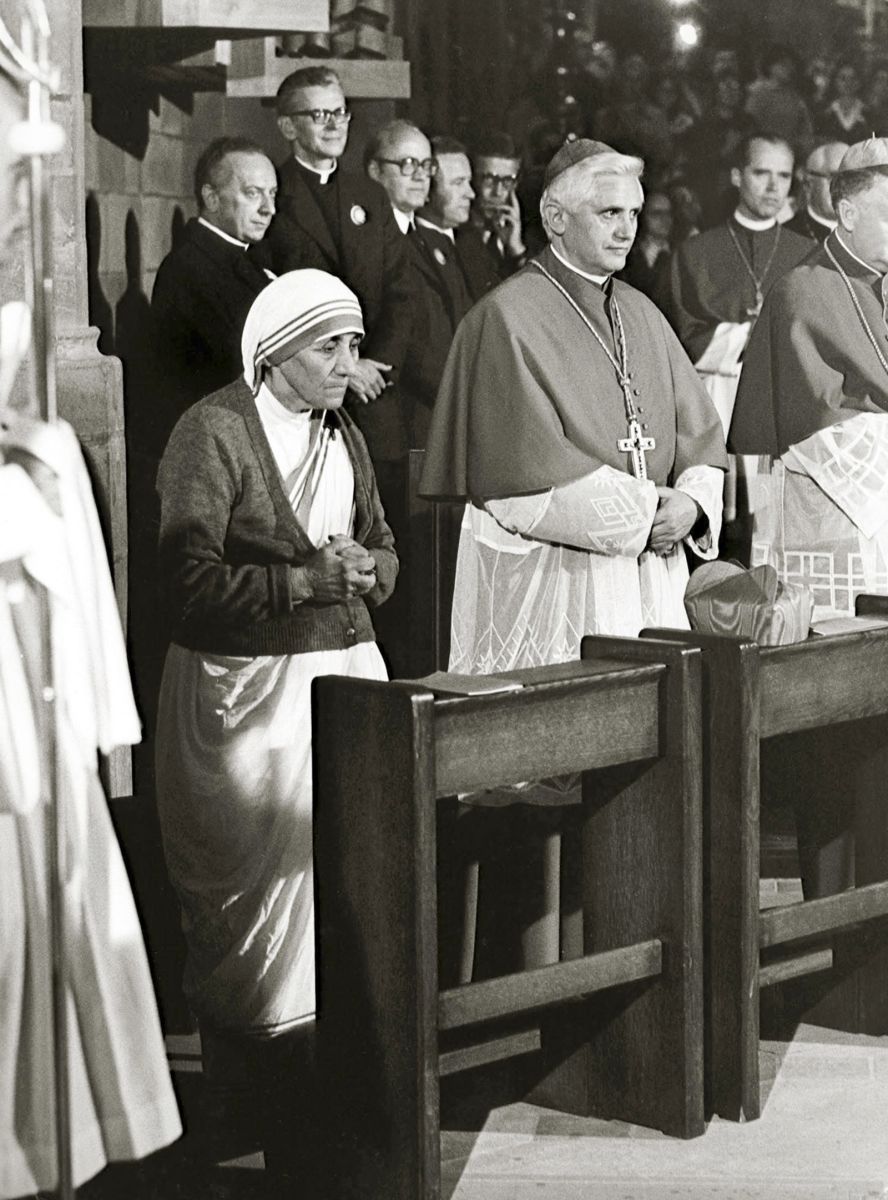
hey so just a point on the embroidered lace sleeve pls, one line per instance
(608, 512)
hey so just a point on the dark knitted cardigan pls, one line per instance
(230, 544)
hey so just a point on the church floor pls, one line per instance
(823, 1134)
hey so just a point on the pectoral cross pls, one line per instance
(635, 446)
(754, 310)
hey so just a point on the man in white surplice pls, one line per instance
(814, 395)
(567, 532)
(718, 281)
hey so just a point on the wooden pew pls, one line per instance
(828, 699)
(617, 1032)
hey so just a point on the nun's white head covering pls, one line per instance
(295, 310)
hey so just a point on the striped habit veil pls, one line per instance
(295, 311)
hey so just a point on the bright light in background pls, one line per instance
(688, 34)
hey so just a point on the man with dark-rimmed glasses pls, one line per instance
(496, 212)
(348, 218)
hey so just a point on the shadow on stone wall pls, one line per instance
(130, 336)
(120, 115)
(126, 76)
(137, 353)
(100, 314)
(132, 318)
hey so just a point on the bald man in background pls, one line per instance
(818, 216)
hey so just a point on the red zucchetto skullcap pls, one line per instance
(573, 151)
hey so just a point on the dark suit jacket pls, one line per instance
(202, 294)
(437, 312)
(372, 261)
(479, 268)
(479, 264)
(432, 330)
(505, 264)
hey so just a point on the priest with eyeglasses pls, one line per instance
(348, 218)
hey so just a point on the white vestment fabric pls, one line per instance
(521, 602)
(122, 1102)
(719, 367)
(822, 515)
(719, 371)
(235, 778)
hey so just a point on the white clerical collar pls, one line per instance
(872, 270)
(405, 220)
(322, 175)
(448, 233)
(824, 221)
(601, 280)
(847, 122)
(751, 223)
(222, 234)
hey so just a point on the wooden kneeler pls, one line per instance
(754, 699)
(618, 1032)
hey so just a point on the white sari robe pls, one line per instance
(234, 781)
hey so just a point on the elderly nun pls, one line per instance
(273, 549)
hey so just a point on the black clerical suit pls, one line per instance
(202, 294)
(348, 221)
(806, 226)
(436, 313)
(449, 277)
(452, 275)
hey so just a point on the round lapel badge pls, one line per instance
(439, 257)
(358, 215)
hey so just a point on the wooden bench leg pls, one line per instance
(637, 1054)
(375, 852)
(731, 851)
(836, 778)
